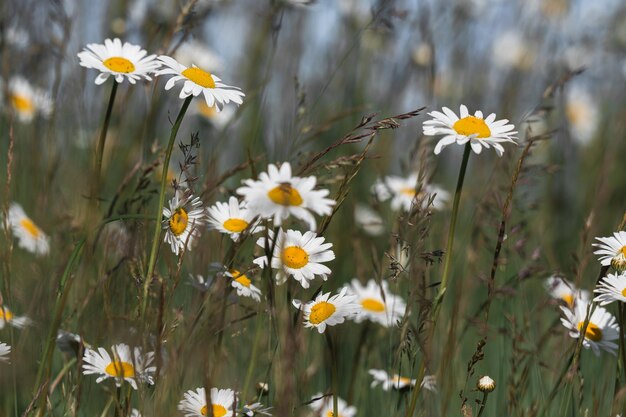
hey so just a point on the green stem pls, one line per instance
(159, 214)
(253, 358)
(482, 404)
(450, 243)
(446, 271)
(101, 141)
(334, 372)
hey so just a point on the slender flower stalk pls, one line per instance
(334, 372)
(159, 213)
(100, 146)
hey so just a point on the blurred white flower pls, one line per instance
(583, 116)
(511, 50)
(368, 220)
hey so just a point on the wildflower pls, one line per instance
(135, 413)
(7, 317)
(29, 235)
(511, 50)
(478, 131)
(118, 60)
(404, 192)
(323, 406)
(198, 81)
(601, 331)
(563, 290)
(27, 100)
(194, 403)
(196, 52)
(386, 382)
(368, 220)
(126, 365)
(278, 194)
(582, 113)
(251, 410)
(68, 343)
(243, 285)
(377, 303)
(486, 384)
(219, 119)
(5, 351)
(299, 255)
(182, 221)
(612, 250)
(232, 218)
(611, 288)
(328, 311)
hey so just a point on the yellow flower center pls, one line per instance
(569, 299)
(593, 332)
(30, 227)
(622, 251)
(472, 125)
(285, 195)
(408, 191)
(240, 278)
(372, 304)
(397, 379)
(22, 103)
(576, 112)
(218, 410)
(295, 257)
(624, 292)
(200, 77)
(5, 314)
(119, 64)
(321, 311)
(329, 413)
(178, 221)
(235, 225)
(206, 111)
(120, 369)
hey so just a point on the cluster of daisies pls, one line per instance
(602, 330)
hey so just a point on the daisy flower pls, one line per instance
(194, 403)
(299, 255)
(253, 409)
(478, 131)
(278, 194)
(198, 81)
(118, 60)
(403, 193)
(7, 317)
(125, 365)
(27, 100)
(328, 311)
(232, 218)
(611, 288)
(243, 285)
(612, 250)
(377, 303)
(561, 289)
(219, 119)
(386, 382)
(323, 406)
(368, 220)
(182, 221)
(135, 413)
(601, 331)
(582, 113)
(5, 351)
(30, 236)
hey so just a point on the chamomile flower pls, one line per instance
(378, 304)
(611, 288)
(243, 285)
(368, 220)
(299, 255)
(601, 331)
(124, 365)
(122, 61)
(253, 409)
(194, 403)
(277, 194)
(612, 250)
(232, 218)
(478, 131)
(7, 317)
(328, 311)
(219, 119)
(182, 221)
(5, 351)
(395, 381)
(561, 289)
(30, 237)
(323, 406)
(27, 101)
(198, 81)
(135, 413)
(403, 193)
